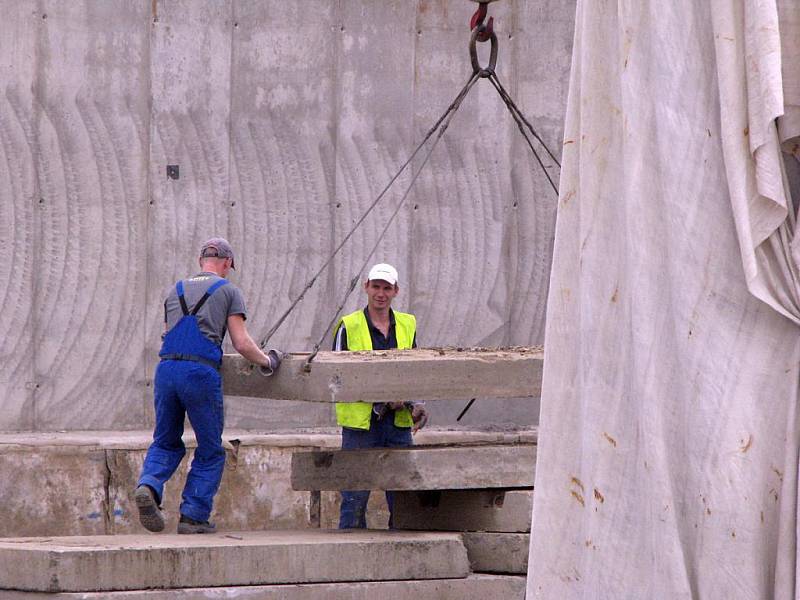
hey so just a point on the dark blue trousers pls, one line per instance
(183, 388)
(382, 433)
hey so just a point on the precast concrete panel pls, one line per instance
(19, 206)
(464, 200)
(190, 84)
(541, 50)
(282, 118)
(376, 42)
(90, 91)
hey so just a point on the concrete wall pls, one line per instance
(286, 119)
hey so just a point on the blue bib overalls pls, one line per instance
(188, 383)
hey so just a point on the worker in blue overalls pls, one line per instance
(197, 313)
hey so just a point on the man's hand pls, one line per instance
(420, 417)
(275, 357)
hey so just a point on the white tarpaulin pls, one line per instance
(669, 435)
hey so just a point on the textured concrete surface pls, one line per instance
(377, 510)
(323, 437)
(415, 468)
(464, 510)
(80, 491)
(286, 119)
(80, 483)
(498, 552)
(473, 587)
(54, 489)
(136, 562)
(403, 375)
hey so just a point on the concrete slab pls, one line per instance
(498, 552)
(136, 562)
(45, 499)
(54, 487)
(256, 490)
(464, 510)
(474, 587)
(432, 374)
(321, 437)
(471, 467)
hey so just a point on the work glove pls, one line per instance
(275, 359)
(419, 416)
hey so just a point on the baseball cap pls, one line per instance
(217, 248)
(384, 272)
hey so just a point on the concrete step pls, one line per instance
(498, 552)
(464, 510)
(140, 562)
(467, 467)
(431, 374)
(473, 587)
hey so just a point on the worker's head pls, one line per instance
(216, 256)
(381, 286)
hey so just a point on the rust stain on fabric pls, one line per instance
(615, 295)
(577, 482)
(610, 439)
(578, 497)
(746, 445)
(598, 496)
(778, 473)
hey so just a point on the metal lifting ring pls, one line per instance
(473, 53)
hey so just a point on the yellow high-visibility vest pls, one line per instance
(357, 414)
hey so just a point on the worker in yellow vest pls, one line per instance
(376, 425)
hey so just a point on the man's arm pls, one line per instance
(244, 344)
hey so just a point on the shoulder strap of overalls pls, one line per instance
(212, 288)
(179, 291)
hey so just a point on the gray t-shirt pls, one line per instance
(212, 318)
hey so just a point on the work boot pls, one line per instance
(150, 515)
(189, 525)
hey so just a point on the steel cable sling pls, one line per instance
(480, 33)
(446, 115)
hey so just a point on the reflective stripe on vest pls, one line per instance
(357, 414)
